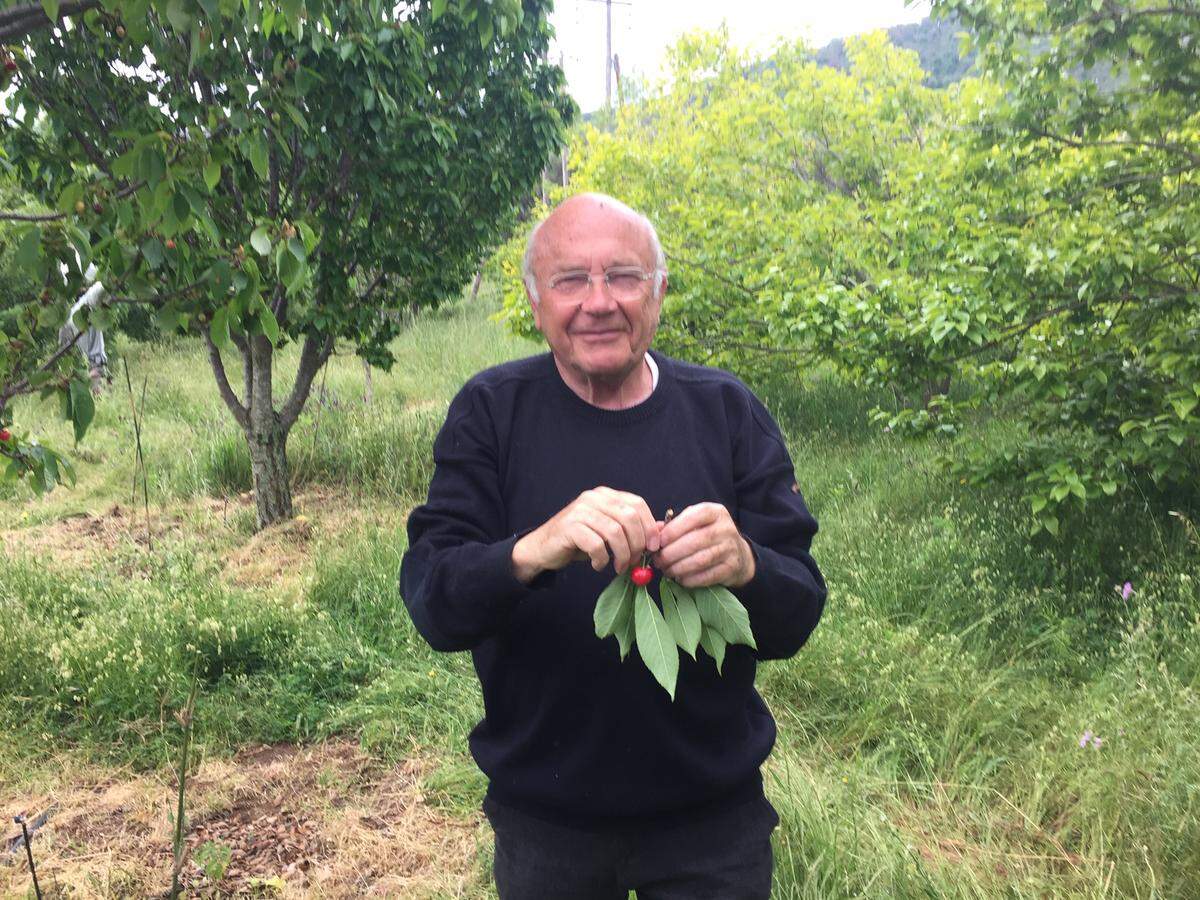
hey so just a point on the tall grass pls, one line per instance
(929, 733)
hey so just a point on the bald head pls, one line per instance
(580, 215)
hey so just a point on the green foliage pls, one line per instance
(275, 173)
(1023, 243)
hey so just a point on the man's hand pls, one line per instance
(702, 546)
(594, 525)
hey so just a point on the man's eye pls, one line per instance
(624, 282)
(570, 284)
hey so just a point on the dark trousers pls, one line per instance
(724, 854)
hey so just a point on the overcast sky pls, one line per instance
(642, 28)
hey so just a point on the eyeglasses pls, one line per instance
(620, 282)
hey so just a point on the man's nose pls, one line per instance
(597, 301)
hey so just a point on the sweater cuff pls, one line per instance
(513, 585)
(758, 588)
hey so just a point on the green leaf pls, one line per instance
(260, 240)
(309, 236)
(83, 408)
(291, 270)
(65, 470)
(714, 645)
(624, 627)
(655, 644)
(291, 9)
(1184, 406)
(167, 319)
(255, 149)
(51, 8)
(722, 611)
(297, 248)
(26, 255)
(268, 322)
(69, 196)
(153, 250)
(608, 605)
(178, 16)
(679, 609)
(49, 467)
(439, 8)
(212, 173)
(218, 329)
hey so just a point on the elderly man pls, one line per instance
(553, 474)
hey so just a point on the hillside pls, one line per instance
(936, 41)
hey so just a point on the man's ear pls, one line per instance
(533, 305)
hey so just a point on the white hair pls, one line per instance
(660, 258)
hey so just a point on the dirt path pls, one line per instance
(318, 821)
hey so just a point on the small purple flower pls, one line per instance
(1085, 737)
(1126, 590)
(1096, 742)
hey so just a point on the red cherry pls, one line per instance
(10, 65)
(170, 244)
(5, 436)
(641, 575)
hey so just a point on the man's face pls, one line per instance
(598, 334)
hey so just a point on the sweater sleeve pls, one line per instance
(456, 576)
(786, 596)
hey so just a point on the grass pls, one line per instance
(929, 733)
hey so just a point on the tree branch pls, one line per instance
(20, 21)
(240, 413)
(312, 357)
(23, 386)
(23, 217)
(243, 346)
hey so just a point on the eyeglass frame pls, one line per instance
(556, 279)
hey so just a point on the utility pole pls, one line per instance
(608, 58)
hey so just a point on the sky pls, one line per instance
(641, 29)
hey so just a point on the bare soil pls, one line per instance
(318, 821)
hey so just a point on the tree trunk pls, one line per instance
(267, 431)
(272, 481)
(267, 439)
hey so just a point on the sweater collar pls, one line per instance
(638, 413)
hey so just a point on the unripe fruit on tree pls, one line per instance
(641, 575)
(80, 206)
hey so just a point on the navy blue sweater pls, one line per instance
(570, 732)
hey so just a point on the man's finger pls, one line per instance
(635, 517)
(639, 521)
(591, 543)
(613, 533)
(696, 516)
(684, 546)
(718, 574)
(705, 557)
